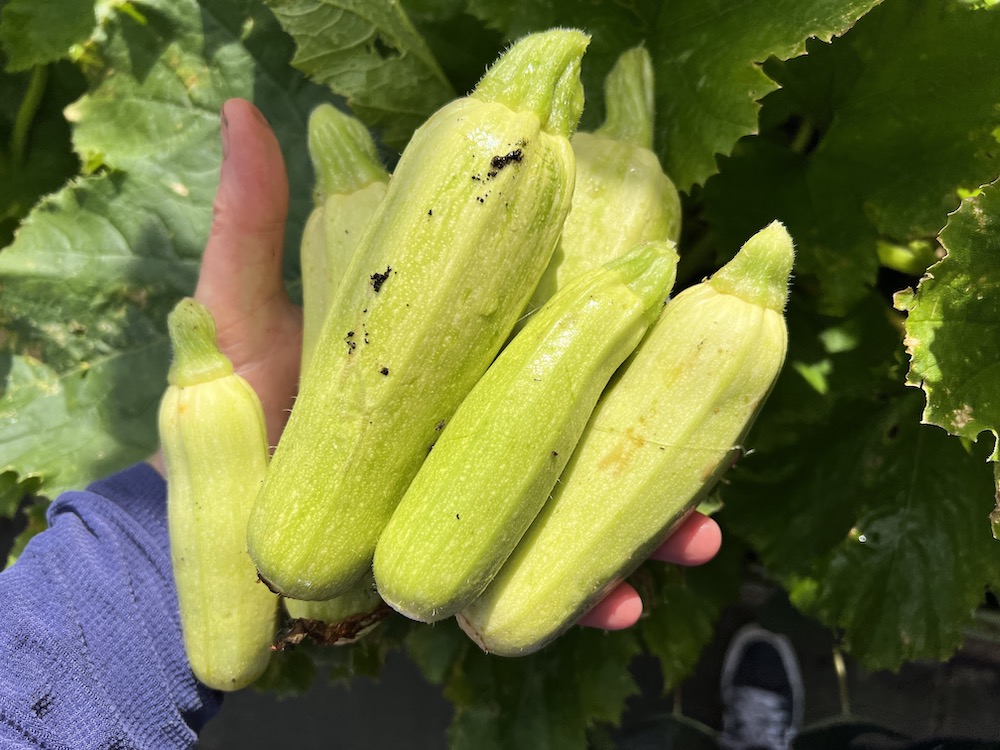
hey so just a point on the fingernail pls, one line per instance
(224, 131)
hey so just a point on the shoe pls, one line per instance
(762, 692)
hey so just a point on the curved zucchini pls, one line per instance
(658, 440)
(215, 445)
(444, 268)
(499, 457)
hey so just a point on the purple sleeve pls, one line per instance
(91, 654)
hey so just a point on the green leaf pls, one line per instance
(87, 283)
(440, 23)
(37, 33)
(67, 429)
(708, 68)
(614, 27)
(160, 81)
(877, 524)
(13, 489)
(953, 324)
(369, 52)
(906, 579)
(837, 371)
(852, 155)
(830, 360)
(546, 700)
(912, 160)
(835, 262)
(708, 75)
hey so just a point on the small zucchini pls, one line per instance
(215, 447)
(622, 196)
(350, 183)
(444, 268)
(497, 460)
(659, 438)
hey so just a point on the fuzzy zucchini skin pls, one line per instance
(448, 261)
(497, 460)
(622, 196)
(214, 442)
(659, 438)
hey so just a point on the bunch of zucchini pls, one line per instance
(500, 414)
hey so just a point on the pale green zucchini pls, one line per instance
(214, 443)
(496, 462)
(444, 268)
(350, 183)
(622, 196)
(659, 438)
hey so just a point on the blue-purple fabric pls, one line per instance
(91, 654)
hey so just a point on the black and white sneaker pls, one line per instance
(762, 692)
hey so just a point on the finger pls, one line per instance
(618, 610)
(696, 541)
(241, 267)
(241, 280)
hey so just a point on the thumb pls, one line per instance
(241, 267)
(241, 281)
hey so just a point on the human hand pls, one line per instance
(260, 330)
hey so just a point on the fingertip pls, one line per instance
(694, 542)
(620, 609)
(253, 181)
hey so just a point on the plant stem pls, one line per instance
(26, 114)
(840, 667)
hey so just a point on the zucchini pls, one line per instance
(445, 266)
(497, 460)
(622, 196)
(350, 183)
(658, 440)
(214, 441)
